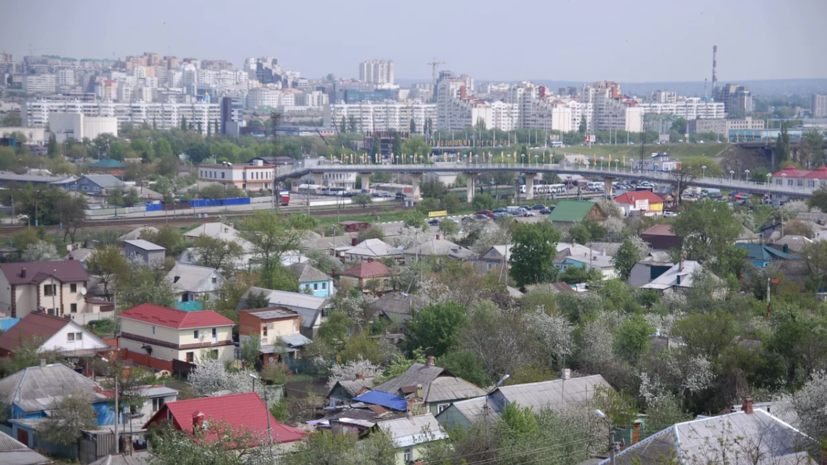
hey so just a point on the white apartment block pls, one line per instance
(381, 116)
(819, 106)
(269, 97)
(66, 77)
(163, 115)
(39, 83)
(377, 71)
(664, 96)
(722, 126)
(688, 108)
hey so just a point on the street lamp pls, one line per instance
(704, 170)
(746, 175)
(731, 175)
(601, 163)
(599, 414)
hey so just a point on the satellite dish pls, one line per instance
(83, 291)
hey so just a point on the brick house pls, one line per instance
(56, 287)
(278, 328)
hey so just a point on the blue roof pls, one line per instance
(384, 399)
(7, 323)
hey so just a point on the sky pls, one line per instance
(577, 40)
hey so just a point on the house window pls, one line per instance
(78, 336)
(441, 407)
(222, 175)
(157, 403)
(315, 286)
(263, 331)
(190, 357)
(408, 455)
(324, 286)
(153, 330)
(73, 308)
(73, 288)
(195, 334)
(214, 280)
(215, 332)
(70, 336)
(50, 289)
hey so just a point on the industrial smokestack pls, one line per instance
(714, 69)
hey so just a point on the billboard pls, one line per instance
(439, 213)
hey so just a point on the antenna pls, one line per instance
(433, 65)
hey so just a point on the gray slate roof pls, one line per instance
(446, 388)
(307, 306)
(354, 386)
(758, 434)
(397, 302)
(434, 388)
(143, 245)
(304, 272)
(35, 389)
(105, 180)
(14, 452)
(194, 278)
(550, 394)
(406, 432)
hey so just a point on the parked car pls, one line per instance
(670, 214)
(400, 196)
(499, 210)
(433, 222)
(545, 211)
(482, 217)
(539, 206)
(484, 212)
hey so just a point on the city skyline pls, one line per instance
(612, 42)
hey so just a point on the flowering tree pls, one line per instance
(553, 332)
(40, 252)
(211, 376)
(352, 370)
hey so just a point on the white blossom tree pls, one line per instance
(614, 225)
(554, 333)
(352, 370)
(810, 404)
(595, 349)
(211, 376)
(40, 252)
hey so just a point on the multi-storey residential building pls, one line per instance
(251, 176)
(377, 71)
(722, 126)
(663, 96)
(39, 84)
(611, 110)
(384, 116)
(162, 115)
(268, 97)
(54, 287)
(688, 108)
(819, 105)
(735, 98)
(66, 77)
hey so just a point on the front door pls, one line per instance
(23, 436)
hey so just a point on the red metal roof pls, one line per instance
(792, 172)
(659, 230)
(367, 270)
(628, 198)
(66, 271)
(241, 411)
(818, 173)
(163, 316)
(35, 324)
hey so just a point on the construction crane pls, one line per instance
(433, 65)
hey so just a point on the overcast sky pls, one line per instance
(580, 40)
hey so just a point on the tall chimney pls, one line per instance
(354, 241)
(23, 272)
(197, 419)
(746, 407)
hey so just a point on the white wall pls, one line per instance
(60, 341)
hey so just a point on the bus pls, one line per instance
(336, 191)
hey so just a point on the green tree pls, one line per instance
(72, 414)
(484, 202)
(416, 146)
(819, 198)
(11, 120)
(413, 127)
(708, 228)
(302, 222)
(448, 227)
(271, 237)
(184, 123)
(167, 166)
(396, 147)
(435, 328)
(782, 145)
(145, 285)
(343, 126)
(679, 125)
(163, 148)
(579, 234)
(52, 149)
(466, 365)
(450, 202)
(166, 236)
(632, 339)
(250, 350)
(626, 258)
(375, 147)
(352, 123)
(216, 253)
(582, 127)
(427, 205)
(812, 147)
(362, 200)
(77, 151)
(433, 188)
(216, 443)
(415, 219)
(108, 265)
(335, 330)
(532, 258)
(577, 275)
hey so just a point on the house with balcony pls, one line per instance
(279, 331)
(56, 288)
(171, 334)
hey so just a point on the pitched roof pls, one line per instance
(107, 163)
(429, 377)
(571, 211)
(397, 302)
(792, 172)
(178, 319)
(14, 452)
(66, 271)
(105, 180)
(372, 248)
(418, 373)
(793, 242)
(391, 401)
(194, 278)
(244, 411)
(439, 247)
(354, 386)
(137, 232)
(451, 388)
(304, 272)
(659, 230)
(685, 270)
(307, 306)
(759, 434)
(37, 388)
(765, 252)
(629, 198)
(143, 245)
(551, 394)
(406, 432)
(40, 325)
(367, 270)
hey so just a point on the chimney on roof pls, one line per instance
(354, 241)
(420, 393)
(437, 237)
(42, 362)
(431, 360)
(197, 419)
(23, 272)
(746, 407)
(566, 374)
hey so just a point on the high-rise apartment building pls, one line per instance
(688, 108)
(735, 97)
(819, 106)
(66, 77)
(384, 116)
(39, 83)
(377, 71)
(664, 96)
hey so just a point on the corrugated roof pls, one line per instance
(551, 394)
(37, 388)
(304, 272)
(137, 232)
(105, 180)
(406, 432)
(450, 388)
(179, 319)
(765, 253)
(107, 163)
(397, 302)
(14, 452)
(143, 245)
(571, 211)
(418, 373)
(439, 247)
(375, 248)
(307, 306)
(194, 278)
(65, 271)
(367, 270)
(355, 386)
(431, 378)
(669, 279)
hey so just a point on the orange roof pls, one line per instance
(659, 230)
(179, 319)
(367, 270)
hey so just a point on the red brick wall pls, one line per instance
(248, 325)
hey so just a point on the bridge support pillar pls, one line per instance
(416, 180)
(318, 179)
(294, 185)
(365, 177)
(529, 185)
(471, 186)
(608, 188)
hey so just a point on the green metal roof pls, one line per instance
(107, 163)
(765, 253)
(571, 211)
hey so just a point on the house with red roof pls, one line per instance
(373, 276)
(170, 334)
(791, 176)
(53, 334)
(640, 202)
(245, 413)
(57, 288)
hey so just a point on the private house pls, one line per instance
(345, 390)
(410, 435)
(650, 268)
(32, 392)
(553, 395)
(15, 452)
(370, 249)
(397, 306)
(312, 281)
(57, 334)
(368, 276)
(747, 236)
(245, 412)
(278, 328)
(661, 237)
(308, 307)
(571, 212)
(55, 287)
(144, 251)
(156, 397)
(493, 258)
(679, 276)
(437, 248)
(579, 256)
(640, 203)
(96, 184)
(222, 232)
(137, 233)
(170, 334)
(436, 387)
(193, 282)
(108, 166)
(792, 243)
(746, 434)
(761, 255)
